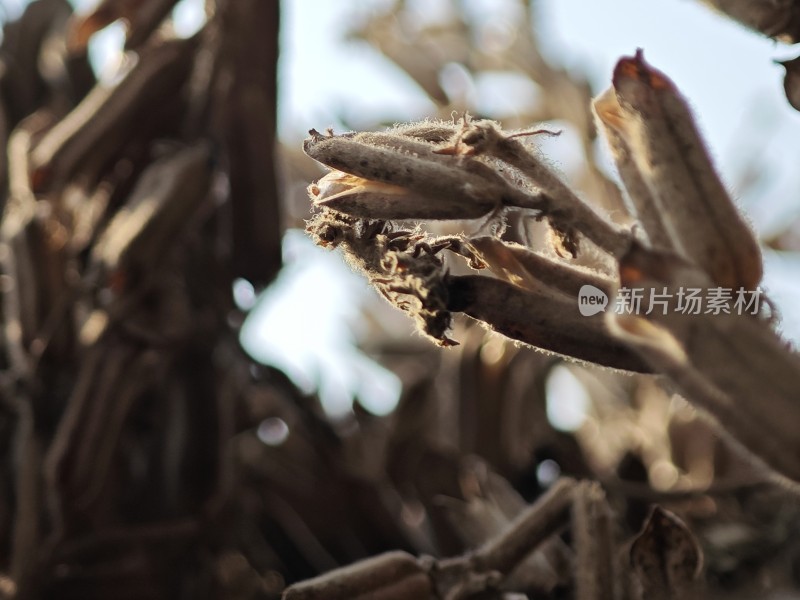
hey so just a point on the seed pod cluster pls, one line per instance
(687, 233)
(465, 171)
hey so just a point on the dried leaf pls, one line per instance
(665, 556)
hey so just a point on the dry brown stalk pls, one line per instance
(121, 374)
(399, 576)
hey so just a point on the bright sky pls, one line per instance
(726, 72)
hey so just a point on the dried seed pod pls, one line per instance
(732, 366)
(547, 320)
(665, 556)
(91, 132)
(736, 369)
(167, 193)
(361, 197)
(532, 271)
(389, 576)
(644, 204)
(701, 220)
(439, 187)
(432, 131)
(565, 210)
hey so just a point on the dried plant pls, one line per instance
(380, 201)
(146, 456)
